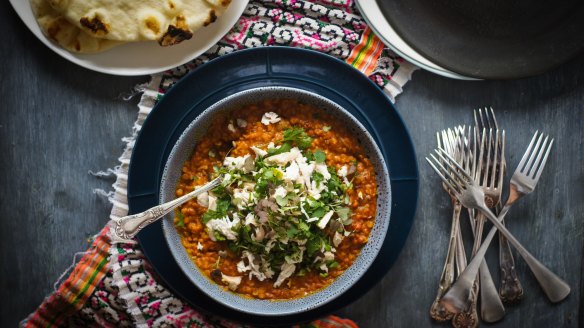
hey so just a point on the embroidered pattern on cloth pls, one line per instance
(119, 288)
(333, 27)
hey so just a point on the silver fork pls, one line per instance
(446, 140)
(471, 195)
(484, 169)
(510, 289)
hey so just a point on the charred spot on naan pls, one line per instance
(95, 25)
(54, 28)
(176, 33)
(211, 19)
(64, 33)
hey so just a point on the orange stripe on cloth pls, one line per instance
(365, 55)
(77, 288)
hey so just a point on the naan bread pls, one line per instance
(167, 21)
(59, 29)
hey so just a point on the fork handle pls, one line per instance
(492, 309)
(554, 287)
(510, 289)
(437, 311)
(457, 298)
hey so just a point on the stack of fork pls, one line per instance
(471, 163)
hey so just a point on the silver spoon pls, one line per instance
(128, 227)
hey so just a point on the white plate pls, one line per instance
(379, 24)
(140, 58)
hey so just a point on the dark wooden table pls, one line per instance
(59, 121)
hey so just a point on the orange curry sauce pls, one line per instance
(341, 148)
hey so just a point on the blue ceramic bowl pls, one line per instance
(182, 151)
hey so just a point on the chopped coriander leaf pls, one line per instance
(285, 147)
(220, 170)
(279, 213)
(282, 201)
(272, 174)
(326, 128)
(318, 178)
(314, 203)
(334, 183)
(181, 219)
(313, 245)
(223, 205)
(292, 231)
(298, 136)
(221, 211)
(211, 215)
(319, 156)
(319, 212)
(218, 236)
(343, 212)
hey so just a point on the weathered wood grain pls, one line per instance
(57, 121)
(549, 222)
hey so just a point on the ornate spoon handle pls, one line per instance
(128, 227)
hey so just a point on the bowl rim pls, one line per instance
(189, 267)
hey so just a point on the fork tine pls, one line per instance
(484, 119)
(479, 160)
(474, 150)
(488, 119)
(494, 118)
(445, 141)
(502, 161)
(488, 164)
(440, 173)
(463, 146)
(451, 169)
(494, 165)
(526, 154)
(476, 119)
(537, 160)
(451, 141)
(544, 160)
(533, 153)
(459, 144)
(471, 152)
(466, 148)
(453, 165)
